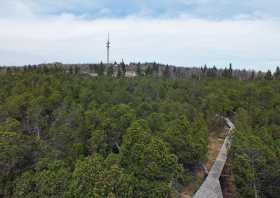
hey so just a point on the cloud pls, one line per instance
(211, 9)
(182, 41)
(14, 9)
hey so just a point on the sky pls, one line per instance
(177, 32)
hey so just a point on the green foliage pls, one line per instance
(94, 177)
(100, 69)
(17, 152)
(187, 141)
(10, 124)
(166, 72)
(50, 181)
(139, 71)
(121, 70)
(148, 71)
(149, 160)
(268, 75)
(255, 159)
(277, 74)
(108, 135)
(110, 71)
(67, 134)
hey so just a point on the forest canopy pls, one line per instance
(68, 134)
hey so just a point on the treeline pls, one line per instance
(68, 134)
(152, 69)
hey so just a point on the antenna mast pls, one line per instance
(108, 45)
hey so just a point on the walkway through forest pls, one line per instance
(215, 142)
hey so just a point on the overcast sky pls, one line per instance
(177, 32)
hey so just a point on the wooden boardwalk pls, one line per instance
(211, 187)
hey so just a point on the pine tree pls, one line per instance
(91, 68)
(155, 69)
(225, 73)
(148, 71)
(230, 71)
(123, 68)
(253, 76)
(138, 70)
(110, 71)
(175, 71)
(166, 72)
(119, 72)
(268, 75)
(215, 71)
(76, 69)
(204, 70)
(71, 70)
(277, 74)
(100, 69)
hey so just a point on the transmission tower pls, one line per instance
(108, 45)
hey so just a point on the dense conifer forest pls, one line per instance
(64, 133)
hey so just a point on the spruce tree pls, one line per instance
(123, 68)
(166, 72)
(277, 74)
(110, 71)
(138, 70)
(268, 75)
